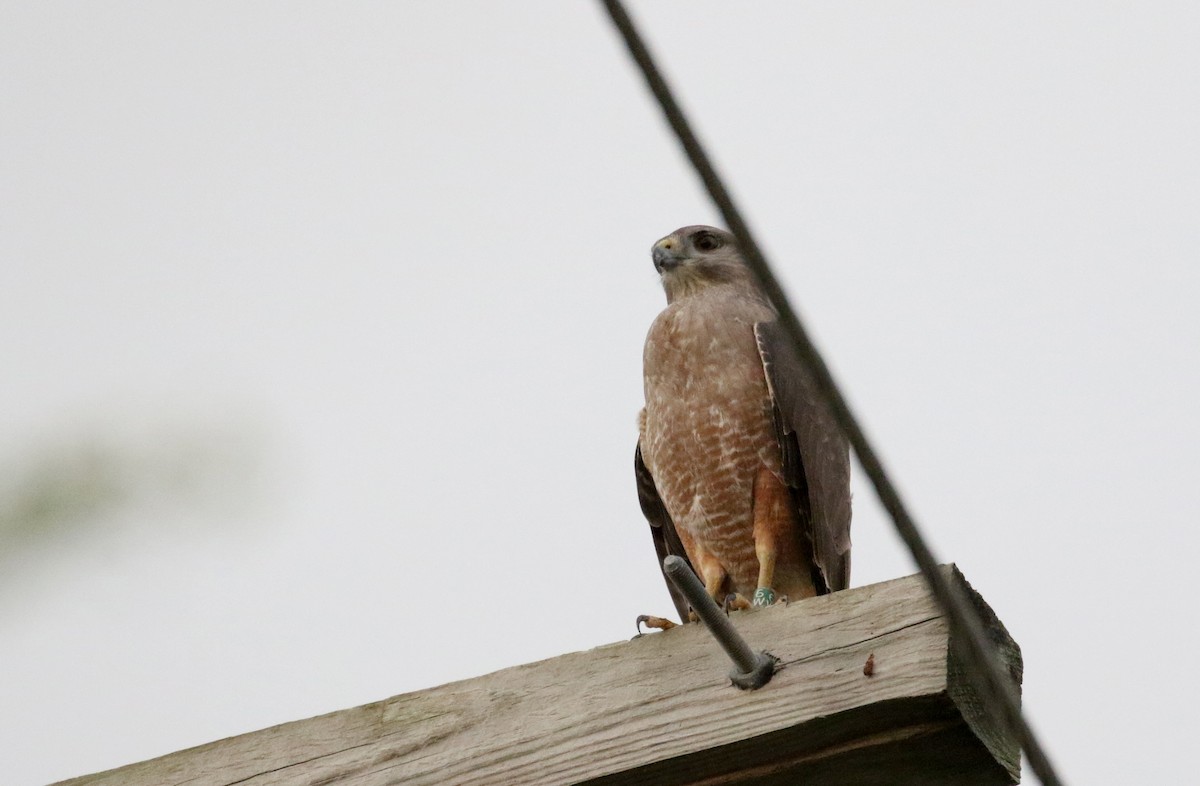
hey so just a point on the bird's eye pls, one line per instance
(706, 241)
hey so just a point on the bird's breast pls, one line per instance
(707, 427)
(696, 353)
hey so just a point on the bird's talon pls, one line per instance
(654, 623)
(734, 602)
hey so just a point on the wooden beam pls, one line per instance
(660, 710)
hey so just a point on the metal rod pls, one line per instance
(753, 669)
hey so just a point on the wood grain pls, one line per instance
(660, 710)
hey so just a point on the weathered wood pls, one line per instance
(659, 710)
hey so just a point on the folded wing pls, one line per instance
(816, 456)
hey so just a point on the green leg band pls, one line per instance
(763, 596)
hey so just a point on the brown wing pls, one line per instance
(662, 529)
(816, 457)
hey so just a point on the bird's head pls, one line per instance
(693, 258)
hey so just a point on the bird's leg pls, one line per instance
(773, 521)
(715, 579)
(765, 549)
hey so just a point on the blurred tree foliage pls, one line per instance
(59, 490)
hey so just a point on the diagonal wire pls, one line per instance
(987, 674)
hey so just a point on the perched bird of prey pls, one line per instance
(740, 466)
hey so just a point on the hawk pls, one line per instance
(741, 469)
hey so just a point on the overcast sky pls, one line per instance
(322, 323)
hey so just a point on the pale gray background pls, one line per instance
(321, 324)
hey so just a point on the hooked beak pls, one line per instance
(666, 254)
